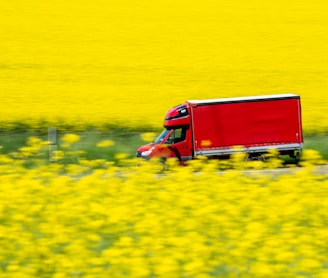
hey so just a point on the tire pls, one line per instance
(255, 157)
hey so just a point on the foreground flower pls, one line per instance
(105, 143)
(69, 139)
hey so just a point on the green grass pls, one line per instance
(125, 142)
(319, 143)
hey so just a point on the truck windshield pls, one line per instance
(161, 136)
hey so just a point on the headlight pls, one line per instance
(146, 153)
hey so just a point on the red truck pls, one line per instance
(214, 127)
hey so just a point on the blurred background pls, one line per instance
(122, 64)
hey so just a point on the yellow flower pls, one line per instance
(308, 264)
(121, 156)
(148, 136)
(69, 139)
(105, 143)
(93, 237)
(57, 155)
(263, 269)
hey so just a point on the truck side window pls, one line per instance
(178, 135)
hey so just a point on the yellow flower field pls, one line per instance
(121, 64)
(124, 63)
(94, 219)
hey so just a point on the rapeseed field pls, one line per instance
(122, 64)
(73, 64)
(97, 219)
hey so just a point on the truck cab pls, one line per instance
(176, 138)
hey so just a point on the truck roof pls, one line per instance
(243, 99)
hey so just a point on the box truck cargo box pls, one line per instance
(214, 127)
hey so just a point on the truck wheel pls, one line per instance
(255, 157)
(296, 155)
